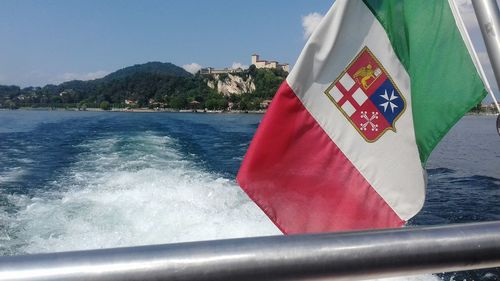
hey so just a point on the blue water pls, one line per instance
(80, 180)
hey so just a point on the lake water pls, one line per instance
(83, 180)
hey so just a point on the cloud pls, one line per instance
(192, 67)
(310, 22)
(68, 76)
(237, 65)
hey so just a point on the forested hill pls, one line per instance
(158, 68)
(153, 85)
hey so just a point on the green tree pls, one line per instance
(178, 102)
(82, 106)
(105, 105)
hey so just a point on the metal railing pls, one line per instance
(332, 256)
(488, 17)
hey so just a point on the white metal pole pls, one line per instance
(488, 17)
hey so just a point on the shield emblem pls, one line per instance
(367, 96)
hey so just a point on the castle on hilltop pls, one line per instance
(255, 61)
(268, 64)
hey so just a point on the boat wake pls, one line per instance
(125, 191)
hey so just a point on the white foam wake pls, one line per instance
(132, 190)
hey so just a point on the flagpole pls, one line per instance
(488, 17)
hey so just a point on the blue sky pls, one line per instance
(48, 41)
(52, 41)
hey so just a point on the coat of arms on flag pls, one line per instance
(367, 96)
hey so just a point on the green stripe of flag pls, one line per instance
(444, 81)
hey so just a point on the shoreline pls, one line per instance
(140, 110)
(171, 110)
(481, 114)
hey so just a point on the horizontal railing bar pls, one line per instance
(332, 256)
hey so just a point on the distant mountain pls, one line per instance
(160, 68)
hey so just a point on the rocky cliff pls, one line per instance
(231, 84)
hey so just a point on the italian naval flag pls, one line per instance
(344, 143)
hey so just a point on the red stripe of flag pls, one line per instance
(300, 178)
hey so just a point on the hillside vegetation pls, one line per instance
(152, 85)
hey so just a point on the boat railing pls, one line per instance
(331, 256)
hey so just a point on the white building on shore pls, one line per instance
(268, 64)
